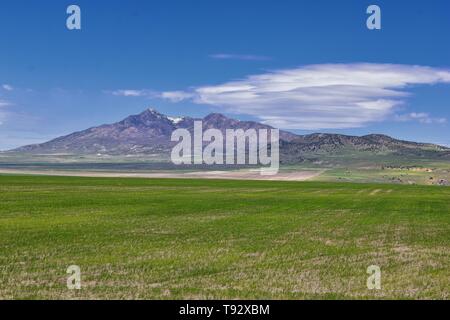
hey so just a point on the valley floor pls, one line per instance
(249, 174)
(221, 239)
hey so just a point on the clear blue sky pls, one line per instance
(134, 54)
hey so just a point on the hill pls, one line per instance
(149, 133)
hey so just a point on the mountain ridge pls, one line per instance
(149, 133)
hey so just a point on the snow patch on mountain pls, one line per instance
(175, 120)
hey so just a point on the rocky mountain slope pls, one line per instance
(146, 133)
(150, 132)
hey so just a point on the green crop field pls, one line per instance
(183, 239)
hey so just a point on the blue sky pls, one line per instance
(305, 65)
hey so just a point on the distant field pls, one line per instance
(428, 175)
(213, 239)
(343, 167)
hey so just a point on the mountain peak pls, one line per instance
(215, 117)
(379, 137)
(151, 111)
(145, 118)
(150, 133)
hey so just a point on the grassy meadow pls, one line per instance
(212, 239)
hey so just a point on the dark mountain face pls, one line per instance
(150, 133)
(369, 143)
(145, 133)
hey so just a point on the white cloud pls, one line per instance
(421, 117)
(248, 57)
(173, 96)
(176, 96)
(4, 103)
(7, 87)
(131, 93)
(328, 96)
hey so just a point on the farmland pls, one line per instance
(221, 239)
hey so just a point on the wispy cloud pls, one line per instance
(131, 93)
(328, 96)
(247, 57)
(173, 96)
(7, 87)
(176, 96)
(4, 103)
(421, 117)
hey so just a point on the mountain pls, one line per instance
(145, 133)
(149, 133)
(370, 143)
(318, 146)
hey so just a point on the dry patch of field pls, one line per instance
(232, 175)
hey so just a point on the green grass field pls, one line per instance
(196, 239)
